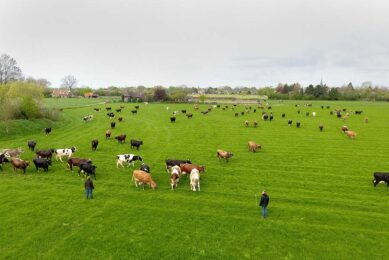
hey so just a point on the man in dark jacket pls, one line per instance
(263, 203)
(89, 188)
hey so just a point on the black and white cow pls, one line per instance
(3, 159)
(113, 124)
(64, 152)
(111, 115)
(381, 176)
(87, 118)
(144, 167)
(42, 163)
(128, 158)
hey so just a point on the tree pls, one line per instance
(9, 70)
(69, 82)
(160, 94)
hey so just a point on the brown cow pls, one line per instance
(13, 152)
(321, 127)
(187, 168)
(246, 123)
(366, 120)
(48, 154)
(253, 146)
(121, 138)
(18, 163)
(351, 134)
(141, 177)
(77, 162)
(221, 154)
(175, 173)
(255, 123)
(108, 134)
(344, 129)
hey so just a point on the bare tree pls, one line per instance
(8, 69)
(69, 82)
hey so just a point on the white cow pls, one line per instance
(87, 118)
(313, 113)
(175, 173)
(127, 158)
(64, 152)
(195, 180)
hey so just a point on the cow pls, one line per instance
(242, 113)
(271, 117)
(255, 123)
(204, 112)
(136, 107)
(87, 118)
(47, 130)
(108, 108)
(111, 115)
(189, 115)
(42, 163)
(183, 111)
(3, 159)
(246, 123)
(113, 124)
(265, 116)
(121, 138)
(108, 134)
(97, 109)
(18, 163)
(119, 110)
(31, 145)
(48, 154)
(358, 112)
(136, 143)
(172, 162)
(283, 115)
(236, 114)
(120, 119)
(314, 114)
(129, 158)
(351, 134)
(344, 129)
(141, 178)
(195, 107)
(307, 113)
(195, 180)
(144, 167)
(77, 162)
(188, 167)
(298, 124)
(88, 169)
(381, 176)
(13, 152)
(331, 113)
(298, 111)
(366, 120)
(290, 122)
(64, 152)
(321, 127)
(175, 173)
(122, 107)
(172, 119)
(134, 112)
(221, 154)
(253, 146)
(95, 143)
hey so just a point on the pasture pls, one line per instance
(322, 200)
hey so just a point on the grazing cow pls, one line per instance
(322, 107)
(253, 146)
(183, 111)
(255, 110)
(77, 162)
(31, 145)
(136, 143)
(328, 107)
(246, 123)
(269, 107)
(18, 163)
(175, 173)
(122, 107)
(42, 163)
(313, 114)
(381, 176)
(136, 107)
(265, 117)
(366, 120)
(172, 119)
(351, 134)
(108, 108)
(255, 123)
(129, 158)
(95, 143)
(3, 159)
(283, 115)
(331, 113)
(344, 129)
(236, 114)
(204, 112)
(111, 115)
(108, 134)
(88, 169)
(144, 167)
(13, 152)
(113, 124)
(321, 127)
(48, 154)
(195, 180)
(120, 119)
(188, 167)
(171, 162)
(121, 138)
(358, 112)
(134, 112)
(290, 122)
(141, 178)
(189, 115)
(221, 154)
(119, 110)
(64, 152)
(298, 124)
(87, 118)
(97, 109)
(47, 130)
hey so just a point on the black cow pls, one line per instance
(111, 115)
(118, 110)
(113, 124)
(136, 143)
(108, 108)
(31, 145)
(134, 112)
(242, 113)
(271, 118)
(183, 111)
(298, 124)
(283, 115)
(298, 111)
(144, 167)
(321, 127)
(307, 113)
(95, 143)
(97, 109)
(88, 169)
(255, 110)
(136, 107)
(265, 116)
(290, 122)
(358, 112)
(170, 163)
(381, 176)
(236, 114)
(3, 159)
(47, 130)
(42, 163)
(172, 119)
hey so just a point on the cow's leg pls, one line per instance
(198, 185)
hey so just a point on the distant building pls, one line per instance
(132, 97)
(91, 95)
(61, 93)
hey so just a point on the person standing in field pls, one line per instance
(263, 203)
(89, 188)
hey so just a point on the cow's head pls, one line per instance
(153, 185)
(73, 149)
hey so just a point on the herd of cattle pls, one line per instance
(176, 168)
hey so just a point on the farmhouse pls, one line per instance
(91, 95)
(132, 97)
(61, 93)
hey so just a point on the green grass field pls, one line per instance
(322, 201)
